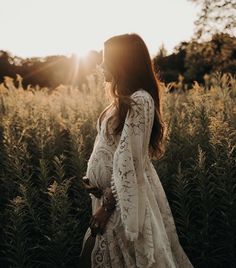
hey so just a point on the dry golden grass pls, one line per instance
(46, 137)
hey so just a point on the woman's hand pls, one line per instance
(99, 220)
(97, 192)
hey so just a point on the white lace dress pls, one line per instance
(141, 231)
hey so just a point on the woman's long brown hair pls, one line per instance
(128, 60)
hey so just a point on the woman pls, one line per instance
(132, 222)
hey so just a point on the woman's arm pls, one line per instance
(128, 178)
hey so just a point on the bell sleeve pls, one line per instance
(128, 180)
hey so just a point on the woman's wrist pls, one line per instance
(108, 200)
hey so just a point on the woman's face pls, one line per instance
(106, 72)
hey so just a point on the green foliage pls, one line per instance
(46, 139)
(198, 171)
(215, 16)
(198, 60)
(217, 54)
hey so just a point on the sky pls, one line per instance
(35, 28)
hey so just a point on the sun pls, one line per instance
(84, 62)
(82, 53)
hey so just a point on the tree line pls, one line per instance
(49, 71)
(191, 60)
(194, 60)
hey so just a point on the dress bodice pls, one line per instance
(99, 166)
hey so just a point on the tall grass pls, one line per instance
(46, 138)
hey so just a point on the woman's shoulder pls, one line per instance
(142, 96)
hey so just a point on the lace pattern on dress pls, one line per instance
(141, 231)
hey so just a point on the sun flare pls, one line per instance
(82, 52)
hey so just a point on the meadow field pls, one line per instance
(46, 137)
